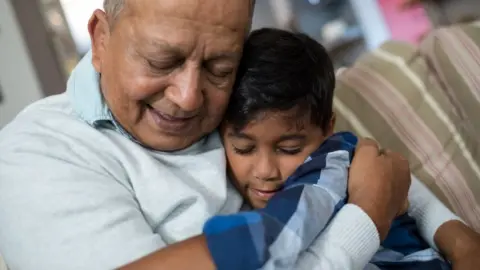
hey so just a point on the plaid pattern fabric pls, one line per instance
(273, 237)
(424, 103)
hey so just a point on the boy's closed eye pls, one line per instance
(244, 144)
(280, 150)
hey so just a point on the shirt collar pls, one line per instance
(83, 90)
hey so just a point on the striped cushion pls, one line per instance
(423, 103)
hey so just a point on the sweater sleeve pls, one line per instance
(343, 246)
(59, 213)
(349, 242)
(427, 210)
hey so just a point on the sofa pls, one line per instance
(424, 102)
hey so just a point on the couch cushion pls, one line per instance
(392, 94)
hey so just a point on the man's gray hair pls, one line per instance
(113, 8)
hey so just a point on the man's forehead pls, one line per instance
(233, 14)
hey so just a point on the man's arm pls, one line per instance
(190, 254)
(341, 246)
(428, 211)
(459, 243)
(442, 229)
(378, 187)
(349, 242)
(59, 214)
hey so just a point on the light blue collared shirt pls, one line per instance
(87, 99)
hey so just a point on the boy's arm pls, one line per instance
(277, 235)
(273, 237)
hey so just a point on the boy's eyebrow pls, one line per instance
(239, 135)
(297, 137)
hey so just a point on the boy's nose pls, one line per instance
(265, 169)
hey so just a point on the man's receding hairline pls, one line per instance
(113, 8)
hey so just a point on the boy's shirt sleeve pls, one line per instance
(274, 237)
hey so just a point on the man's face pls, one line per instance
(167, 66)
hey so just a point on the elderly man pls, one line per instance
(127, 163)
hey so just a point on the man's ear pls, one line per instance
(99, 30)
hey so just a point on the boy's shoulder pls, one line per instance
(341, 141)
(335, 152)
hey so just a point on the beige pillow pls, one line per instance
(395, 96)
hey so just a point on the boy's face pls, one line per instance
(268, 150)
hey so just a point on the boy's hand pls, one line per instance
(378, 183)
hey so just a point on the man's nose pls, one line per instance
(187, 92)
(266, 168)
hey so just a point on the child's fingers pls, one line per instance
(404, 209)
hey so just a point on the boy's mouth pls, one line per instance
(263, 194)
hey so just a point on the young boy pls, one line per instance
(278, 136)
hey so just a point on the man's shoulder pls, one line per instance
(51, 127)
(48, 111)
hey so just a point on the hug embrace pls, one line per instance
(185, 141)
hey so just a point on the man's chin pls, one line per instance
(168, 142)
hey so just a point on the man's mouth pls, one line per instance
(169, 122)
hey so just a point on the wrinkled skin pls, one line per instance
(167, 69)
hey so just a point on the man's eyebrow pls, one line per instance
(154, 44)
(239, 135)
(224, 55)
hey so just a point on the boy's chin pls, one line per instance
(256, 204)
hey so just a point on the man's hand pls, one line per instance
(470, 261)
(459, 244)
(378, 183)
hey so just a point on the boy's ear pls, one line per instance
(223, 128)
(331, 125)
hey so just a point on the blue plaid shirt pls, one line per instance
(275, 236)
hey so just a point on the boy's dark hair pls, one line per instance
(280, 71)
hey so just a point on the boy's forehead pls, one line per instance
(292, 120)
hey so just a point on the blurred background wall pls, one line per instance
(19, 83)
